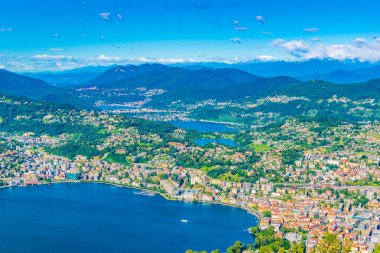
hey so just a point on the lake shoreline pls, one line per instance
(203, 126)
(221, 122)
(252, 212)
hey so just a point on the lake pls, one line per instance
(103, 218)
(203, 126)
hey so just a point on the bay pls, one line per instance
(88, 217)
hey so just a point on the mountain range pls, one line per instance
(346, 76)
(342, 72)
(230, 84)
(69, 78)
(189, 85)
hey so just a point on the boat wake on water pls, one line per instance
(145, 193)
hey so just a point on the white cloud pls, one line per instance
(266, 58)
(236, 40)
(360, 42)
(295, 45)
(2, 67)
(105, 16)
(278, 42)
(60, 62)
(51, 57)
(9, 29)
(314, 39)
(241, 28)
(173, 60)
(55, 49)
(261, 19)
(104, 57)
(360, 49)
(311, 29)
(144, 59)
(238, 27)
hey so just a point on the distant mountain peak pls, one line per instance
(120, 72)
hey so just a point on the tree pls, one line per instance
(265, 249)
(238, 247)
(297, 248)
(377, 249)
(267, 213)
(347, 246)
(330, 244)
(290, 156)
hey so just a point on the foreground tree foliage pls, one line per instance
(377, 249)
(332, 244)
(266, 241)
(238, 247)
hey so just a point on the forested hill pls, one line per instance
(173, 78)
(23, 115)
(118, 73)
(22, 86)
(19, 85)
(323, 90)
(82, 132)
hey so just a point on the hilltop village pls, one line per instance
(302, 178)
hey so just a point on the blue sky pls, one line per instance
(47, 35)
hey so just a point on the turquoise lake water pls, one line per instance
(103, 218)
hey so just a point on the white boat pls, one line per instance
(184, 221)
